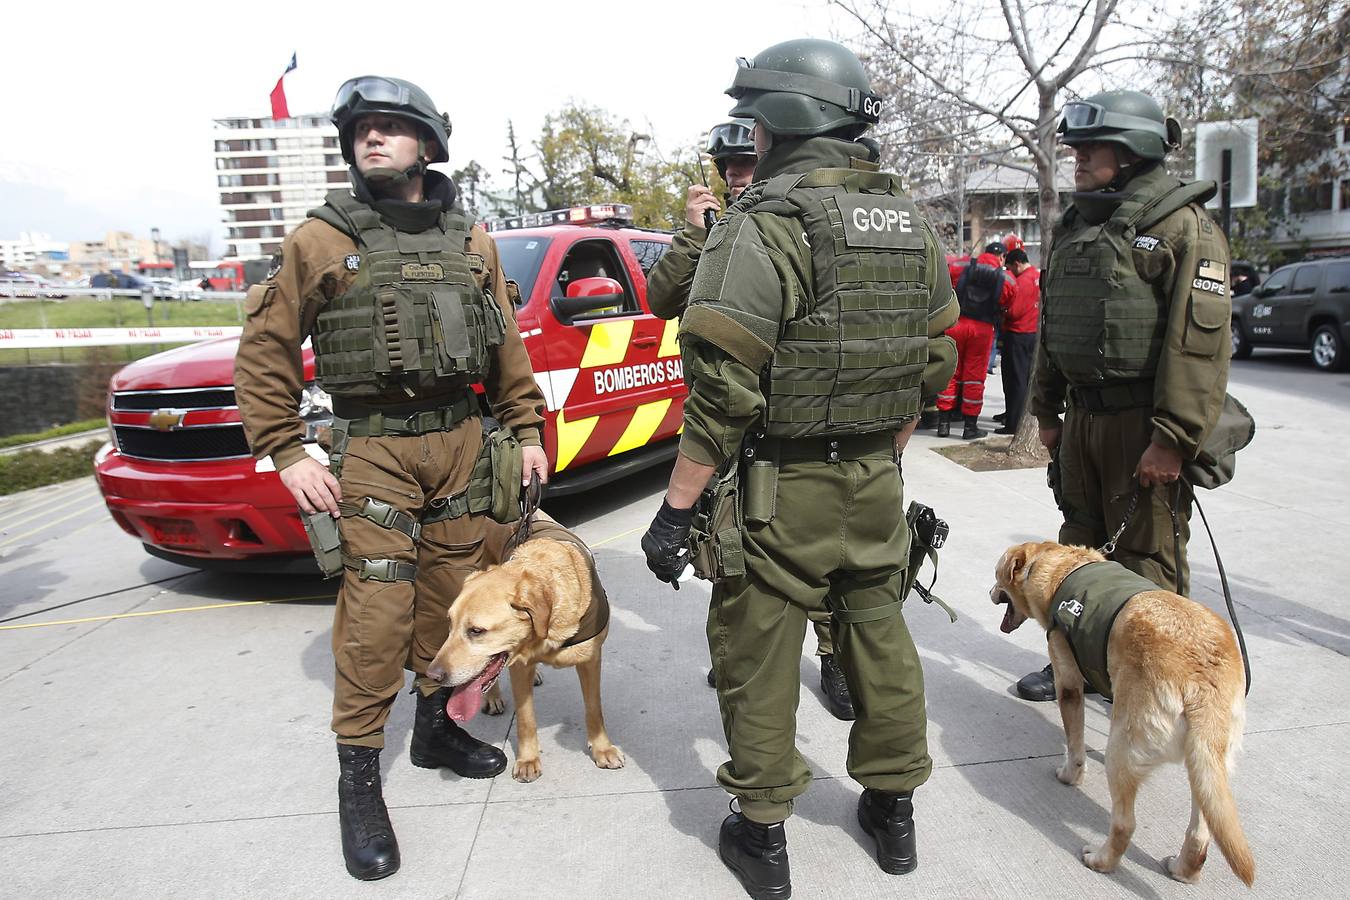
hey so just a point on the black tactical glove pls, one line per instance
(666, 543)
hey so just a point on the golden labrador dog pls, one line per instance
(1177, 677)
(517, 615)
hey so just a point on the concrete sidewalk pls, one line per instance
(184, 753)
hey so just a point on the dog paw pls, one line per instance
(1070, 773)
(610, 757)
(1097, 861)
(538, 678)
(527, 770)
(1172, 866)
(493, 704)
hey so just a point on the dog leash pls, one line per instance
(1109, 548)
(531, 495)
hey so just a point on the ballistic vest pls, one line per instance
(413, 316)
(1085, 607)
(850, 359)
(1102, 322)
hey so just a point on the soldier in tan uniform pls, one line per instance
(733, 152)
(407, 305)
(1133, 348)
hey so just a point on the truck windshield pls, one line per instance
(521, 257)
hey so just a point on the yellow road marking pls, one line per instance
(615, 537)
(646, 419)
(67, 500)
(608, 344)
(19, 537)
(161, 612)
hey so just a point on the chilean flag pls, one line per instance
(279, 110)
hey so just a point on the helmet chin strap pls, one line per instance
(384, 178)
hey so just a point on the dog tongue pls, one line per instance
(1006, 625)
(467, 699)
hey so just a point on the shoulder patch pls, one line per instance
(275, 267)
(352, 261)
(1147, 242)
(1211, 268)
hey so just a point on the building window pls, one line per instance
(1345, 193)
(1310, 198)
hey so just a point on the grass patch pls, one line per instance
(120, 312)
(15, 440)
(35, 468)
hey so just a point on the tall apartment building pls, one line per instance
(269, 174)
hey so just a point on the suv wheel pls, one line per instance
(1242, 348)
(1328, 350)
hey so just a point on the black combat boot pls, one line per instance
(437, 741)
(757, 855)
(1039, 687)
(834, 686)
(972, 429)
(889, 818)
(368, 844)
(712, 678)
(944, 424)
(928, 420)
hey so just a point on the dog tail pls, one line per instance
(1212, 740)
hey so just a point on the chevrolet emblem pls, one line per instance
(167, 419)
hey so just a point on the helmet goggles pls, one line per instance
(730, 139)
(1081, 119)
(865, 105)
(370, 89)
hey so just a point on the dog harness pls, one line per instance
(596, 617)
(1085, 607)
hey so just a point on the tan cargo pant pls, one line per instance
(1098, 453)
(382, 628)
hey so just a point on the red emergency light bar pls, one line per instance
(597, 214)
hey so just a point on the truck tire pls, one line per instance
(1242, 348)
(1328, 350)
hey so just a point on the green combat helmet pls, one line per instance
(729, 140)
(805, 87)
(368, 94)
(1128, 118)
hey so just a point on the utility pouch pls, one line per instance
(322, 530)
(498, 474)
(761, 492)
(337, 450)
(1216, 462)
(715, 546)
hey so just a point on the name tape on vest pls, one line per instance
(880, 221)
(423, 272)
(1147, 242)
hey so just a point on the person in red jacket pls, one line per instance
(984, 288)
(1021, 316)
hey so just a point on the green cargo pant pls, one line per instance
(1098, 453)
(838, 542)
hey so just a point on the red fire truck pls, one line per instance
(178, 474)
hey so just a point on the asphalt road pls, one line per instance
(166, 733)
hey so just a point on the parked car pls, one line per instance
(178, 474)
(117, 281)
(1303, 305)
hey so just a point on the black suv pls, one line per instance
(1306, 304)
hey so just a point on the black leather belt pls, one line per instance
(1108, 398)
(829, 449)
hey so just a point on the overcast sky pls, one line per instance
(108, 107)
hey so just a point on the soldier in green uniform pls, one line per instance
(733, 152)
(814, 331)
(1133, 348)
(407, 304)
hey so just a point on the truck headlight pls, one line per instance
(316, 413)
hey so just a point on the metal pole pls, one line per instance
(1226, 193)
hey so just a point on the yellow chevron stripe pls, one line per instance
(670, 346)
(646, 419)
(608, 344)
(572, 436)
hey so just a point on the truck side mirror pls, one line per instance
(586, 295)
